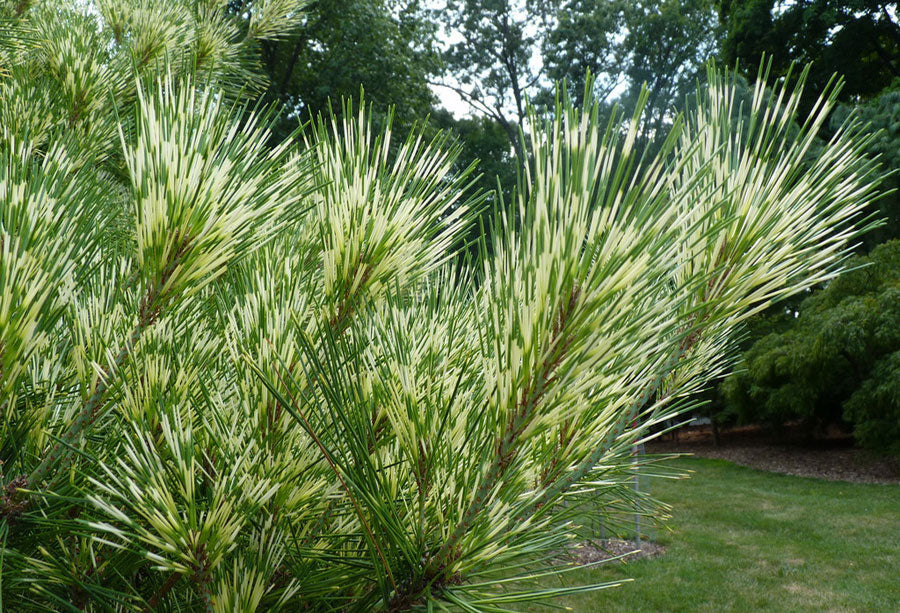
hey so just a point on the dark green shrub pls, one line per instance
(836, 361)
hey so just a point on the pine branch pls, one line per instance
(61, 454)
(507, 447)
(161, 593)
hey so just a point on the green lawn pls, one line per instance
(746, 540)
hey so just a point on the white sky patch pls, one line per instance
(452, 101)
(459, 107)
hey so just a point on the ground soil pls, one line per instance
(832, 457)
(607, 549)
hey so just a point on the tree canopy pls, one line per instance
(857, 39)
(339, 48)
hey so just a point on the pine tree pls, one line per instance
(239, 375)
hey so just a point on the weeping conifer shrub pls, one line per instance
(239, 377)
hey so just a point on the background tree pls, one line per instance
(338, 47)
(587, 38)
(667, 43)
(494, 64)
(508, 51)
(858, 39)
(834, 360)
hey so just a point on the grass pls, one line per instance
(746, 540)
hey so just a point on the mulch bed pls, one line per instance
(608, 549)
(832, 458)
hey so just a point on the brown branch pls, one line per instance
(692, 331)
(161, 593)
(202, 577)
(21, 7)
(292, 63)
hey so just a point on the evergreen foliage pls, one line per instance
(239, 377)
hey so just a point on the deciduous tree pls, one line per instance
(834, 359)
(859, 39)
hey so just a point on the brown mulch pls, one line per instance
(832, 458)
(607, 549)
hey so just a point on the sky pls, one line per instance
(451, 101)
